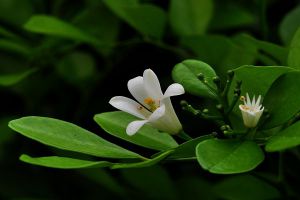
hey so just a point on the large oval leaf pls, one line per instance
(68, 136)
(249, 188)
(190, 17)
(115, 123)
(228, 156)
(146, 18)
(186, 74)
(283, 99)
(288, 138)
(50, 25)
(63, 162)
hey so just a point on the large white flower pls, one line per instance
(153, 106)
(251, 111)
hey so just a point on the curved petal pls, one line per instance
(152, 85)
(137, 89)
(134, 126)
(158, 113)
(130, 106)
(174, 90)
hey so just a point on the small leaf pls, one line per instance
(68, 136)
(145, 18)
(288, 138)
(228, 156)
(146, 163)
(186, 74)
(249, 188)
(63, 162)
(50, 25)
(187, 149)
(115, 123)
(11, 79)
(283, 99)
(293, 57)
(190, 17)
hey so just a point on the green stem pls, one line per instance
(280, 167)
(184, 136)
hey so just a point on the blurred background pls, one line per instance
(65, 59)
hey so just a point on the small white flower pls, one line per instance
(153, 106)
(251, 111)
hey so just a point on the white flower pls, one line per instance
(251, 111)
(152, 105)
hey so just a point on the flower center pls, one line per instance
(151, 103)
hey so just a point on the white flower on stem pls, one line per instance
(251, 110)
(152, 106)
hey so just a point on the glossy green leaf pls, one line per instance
(293, 57)
(288, 138)
(50, 25)
(11, 79)
(256, 80)
(115, 123)
(68, 136)
(245, 187)
(228, 156)
(190, 17)
(63, 162)
(283, 99)
(146, 163)
(186, 73)
(145, 18)
(289, 25)
(186, 150)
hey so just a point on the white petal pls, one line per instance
(158, 113)
(258, 101)
(248, 102)
(253, 101)
(134, 126)
(152, 85)
(137, 89)
(174, 90)
(130, 106)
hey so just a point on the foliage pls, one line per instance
(62, 61)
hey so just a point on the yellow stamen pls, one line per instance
(242, 98)
(151, 103)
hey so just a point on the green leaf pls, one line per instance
(230, 15)
(115, 123)
(293, 57)
(68, 136)
(245, 187)
(289, 25)
(50, 25)
(186, 73)
(11, 79)
(288, 138)
(77, 68)
(190, 17)
(100, 22)
(263, 77)
(15, 47)
(228, 156)
(187, 149)
(283, 99)
(145, 18)
(147, 163)
(63, 162)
